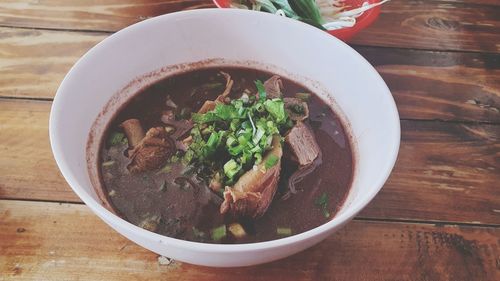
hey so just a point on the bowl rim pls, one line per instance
(107, 216)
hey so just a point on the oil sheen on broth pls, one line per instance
(178, 196)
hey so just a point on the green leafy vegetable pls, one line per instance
(233, 137)
(218, 233)
(117, 138)
(277, 108)
(322, 202)
(271, 161)
(261, 90)
(198, 233)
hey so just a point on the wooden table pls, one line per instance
(437, 218)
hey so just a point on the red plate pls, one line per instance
(346, 33)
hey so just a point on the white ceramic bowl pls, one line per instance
(229, 37)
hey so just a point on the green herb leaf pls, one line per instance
(261, 90)
(277, 109)
(198, 233)
(322, 202)
(271, 161)
(232, 138)
(231, 168)
(218, 233)
(117, 138)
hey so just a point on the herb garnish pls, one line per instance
(237, 134)
(322, 202)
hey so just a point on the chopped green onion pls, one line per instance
(218, 233)
(322, 202)
(258, 134)
(251, 122)
(117, 138)
(277, 108)
(271, 161)
(260, 89)
(237, 230)
(284, 231)
(108, 163)
(231, 168)
(240, 132)
(167, 168)
(198, 233)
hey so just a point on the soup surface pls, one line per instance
(174, 193)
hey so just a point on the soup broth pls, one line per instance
(178, 196)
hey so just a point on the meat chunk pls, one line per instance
(297, 109)
(302, 143)
(151, 152)
(252, 194)
(273, 87)
(179, 128)
(133, 130)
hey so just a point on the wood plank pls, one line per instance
(445, 172)
(34, 62)
(106, 15)
(440, 85)
(66, 241)
(435, 25)
(27, 168)
(426, 85)
(444, 25)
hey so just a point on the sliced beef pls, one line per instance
(254, 191)
(273, 87)
(151, 152)
(297, 109)
(179, 127)
(302, 143)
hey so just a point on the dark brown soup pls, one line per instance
(167, 164)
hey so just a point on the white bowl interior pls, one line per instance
(295, 50)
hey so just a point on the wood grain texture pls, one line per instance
(426, 84)
(440, 85)
(34, 62)
(106, 15)
(27, 168)
(445, 172)
(41, 241)
(443, 25)
(435, 25)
